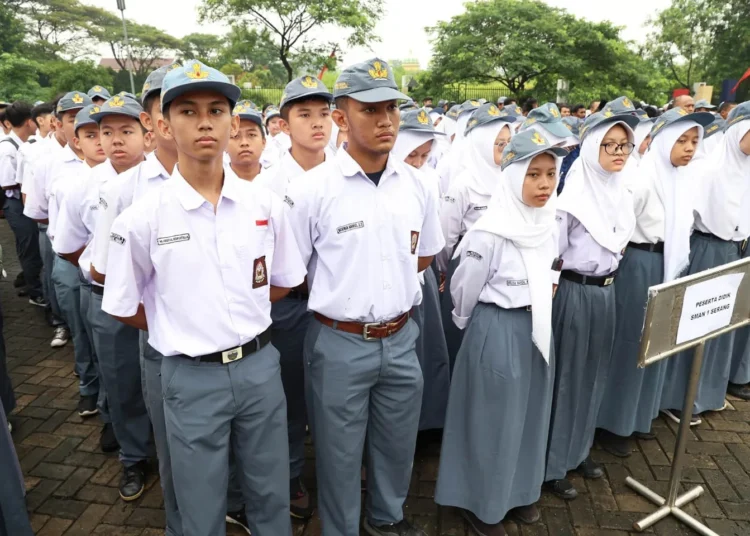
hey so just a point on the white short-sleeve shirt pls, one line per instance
(361, 242)
(34, 158)
(9, 148)
(207, 274)
(65, 163)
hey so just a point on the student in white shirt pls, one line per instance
(229, 243)
(247, 145)
(366, 225)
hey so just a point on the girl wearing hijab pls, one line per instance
(495, 437)
(416, 138)
(452, 164)
(596, 219)
(712, 137)
(722, 226)
(467, 198)
(657, 253)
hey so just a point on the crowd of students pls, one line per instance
(231, 278)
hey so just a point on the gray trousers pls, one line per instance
(119, 361)
(207, 407)
(14, 520)
(48, 287)
(362, 392)
(7, 397)
(68, 289)
(26, 232)
(101, 402)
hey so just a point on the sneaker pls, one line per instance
(87, 406)
(738, 390)
(561, 488)
(300, 506)
(239, 519)
(675, 415)
(526, 514)
(402, 528)
(614, 444)
(108, 441)
(590, 469)
(38, 301)
(133, 481)
(61, 338)
(480, 527)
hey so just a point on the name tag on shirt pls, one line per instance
(165, 240)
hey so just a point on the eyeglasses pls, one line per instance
(611, 148)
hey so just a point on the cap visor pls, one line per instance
(101, 115)
(556, 128)
(378, 94)
(420, 130)
(702, 118)
(314, 95)
(230, 91)
(254, 119)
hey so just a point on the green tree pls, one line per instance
(204, 47)
(253, 49)
(729, 27)
(12, 33)
(19, 79)
(291, 21)
(64, 76)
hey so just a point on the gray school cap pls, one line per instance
(85, 117)
(620, 106)
(441, 103)
(369, 81)
(408, 106)
(272, 112)
(98, 91)
(678, 115)
(155, 79)
(606, 117)
(418, 121)
(246, 109)
(75, 100)
(739, 113)
(453, 112)
(304, 87)
(486, 113)
(548, 116)
(468, 106)
(513, 110)
(195, 76)
(501, 100)
(718, 125)
(127, 94)
(703, 103)
(117, 105)
(573, 124)
(528, 144)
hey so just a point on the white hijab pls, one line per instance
(334, 137)
(723, 192)
(668, 213)
(408, 140)
(642, 130)
(479, 160)
(598, 198)
(531, 231)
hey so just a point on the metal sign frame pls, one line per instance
(658, 342)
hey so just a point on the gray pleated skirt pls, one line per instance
(583, 323)
(453, 335)
(495, 435)
(432, 352)
(740, 372)
(705, 253)
(633, 395)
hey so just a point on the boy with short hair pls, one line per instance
(247, 145)
(229, 240)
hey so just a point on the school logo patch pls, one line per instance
(288, 201)
(117, 239)
(260, 273)
(166, 240)
(378, 72)
(414, 241)
(309, 82)
(538, 139)
(554, 112)
(474, 255)
(627, 103)
(493, 111)
(77, 99)
(423, 118)
(116, 102)
(350, 227)
(196, 73)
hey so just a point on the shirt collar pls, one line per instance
(13, 136)
(350, 168)
(190, 199)
(152, 168)
(68, 155)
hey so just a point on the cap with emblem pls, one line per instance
(194, 76)
(619, 106)
(304, 87)
(98, 92)
(85, 116)
(370, 81)
(548, 116)
(486, 113)
(155, 79)
(75, 100)
(127, 94)
(468, 106)
(118, 105)
(408, 106)
(246, 109)
(272, 112)
(513, 110)
(740, 113)
(528, 144)
(501, 100)
(418, 121)
(573, 124)
(606, 117)
(703, 103)
(453, 112)
(717, 126)
(441, 103)
(678, 115)
(641, 114)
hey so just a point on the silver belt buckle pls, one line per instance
(230, 356)
(365, 329)
(609, 281)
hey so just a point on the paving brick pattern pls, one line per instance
(72, 486)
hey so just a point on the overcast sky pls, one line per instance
(401, 30)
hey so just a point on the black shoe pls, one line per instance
(108, 441)
(561, 488)
(87, 406)
(133, 481)
(616, 445)
(239, 519)
(740, 391)
(402, 528)
(526, 514)
(675, 415)
(300, 506)
(22, 293)
(480, 527)
(590, 469)
(38, 301)
(646, 436)
(19, 281)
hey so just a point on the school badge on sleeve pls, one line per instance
(260, 273)
(414, 241)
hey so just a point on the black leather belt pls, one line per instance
(595, 281)
(96, 289)
(741, 245)
(527, 308)
(298, 294)
(235, 354)
(652, 248)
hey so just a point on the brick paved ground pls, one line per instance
(72, 487)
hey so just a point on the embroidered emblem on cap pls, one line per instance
(260, 274)
(146, 86)
(77, 99)
(241, 108)
(94, 110)
(414, 241)
(529, 121)
(736, 119)
(554, 111)
(682, 111)
(197, 73)
(538, 139)
(626, 103)
(341, 85)
(309, 82)
(116, 102)
(378, 72)
(607, 113)
(508, 157)
(97, 88)
(474, 103)
(423, 118)
(493, 111)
